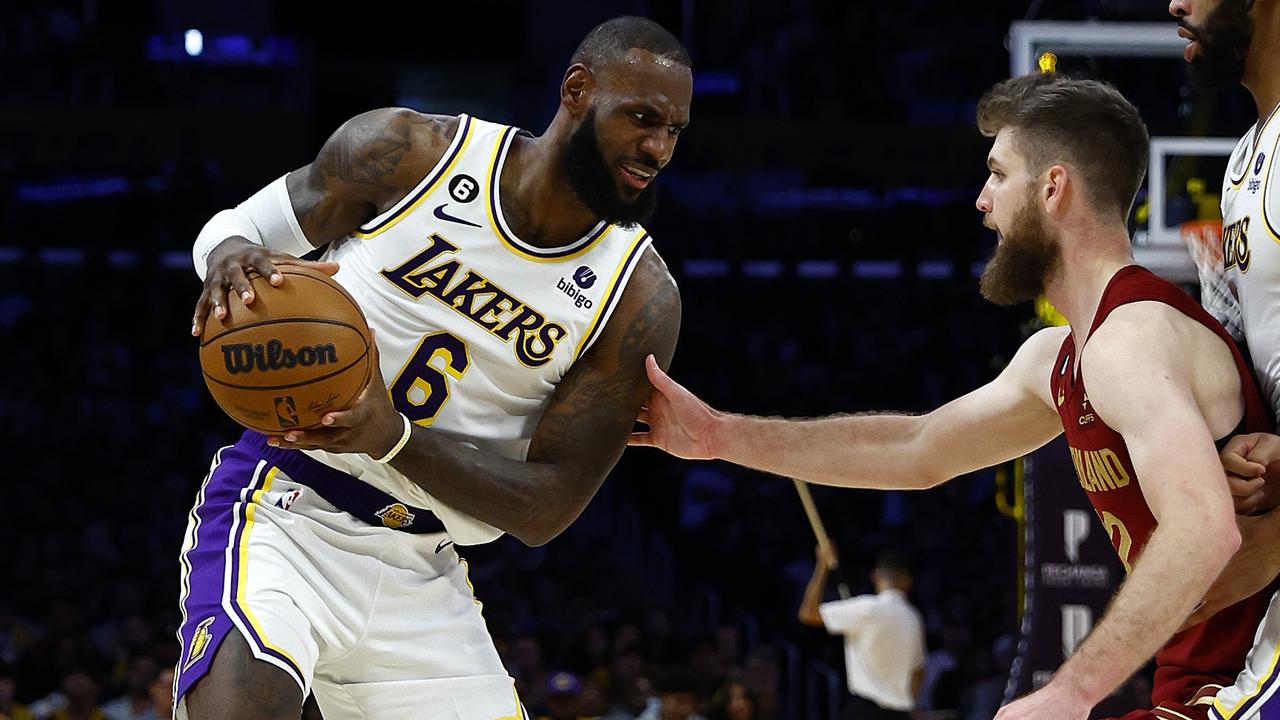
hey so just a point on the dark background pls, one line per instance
(810, 119)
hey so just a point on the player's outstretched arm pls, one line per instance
(1140, 384)
(580, 437)
(366, 166)
(1004, 419)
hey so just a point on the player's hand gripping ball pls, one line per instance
(301, 350)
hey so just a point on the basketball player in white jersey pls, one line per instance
(514, 296)
(1230, 42)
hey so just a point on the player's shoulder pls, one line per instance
(1144, 327)
(1047, 340)
(1040, 350)
(402, 143)
(653, 282)
(1034, 360)
(650, 310)
(1140, 342)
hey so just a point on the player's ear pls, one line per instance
(1053, 192)
(575, 90)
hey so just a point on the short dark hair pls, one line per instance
(609, 41)
(1084, 122)
(893, 560)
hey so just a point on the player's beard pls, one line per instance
(1023, 260)
(1224, 45)
(594, 183)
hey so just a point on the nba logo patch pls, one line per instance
(200, 641)
(285, 501)
(395, 516)
(287, 412)
(1257, 167)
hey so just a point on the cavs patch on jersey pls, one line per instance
(475, 326)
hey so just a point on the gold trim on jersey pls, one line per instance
(509, 240)
(1246, 161)
(1162, 709)
(1264, 680)
(1254, 145)
(242, 577)
(1263, 194)
(1262, 128)
(629, 260)
(452, 155)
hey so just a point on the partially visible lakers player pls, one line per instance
(514, 296)
(1141, 383)
(1231, 42)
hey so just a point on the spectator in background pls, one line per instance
(135, 704)
(9, 708)
(678, 697)
(161, 694)
(629, 697)
(564, 695)
(734, 701)
(81, 692)
(883, 637)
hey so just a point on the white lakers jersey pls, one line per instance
(1251, 248)
(475, 328)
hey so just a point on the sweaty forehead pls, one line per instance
(641, 76)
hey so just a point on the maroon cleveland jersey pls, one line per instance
(1197, 661)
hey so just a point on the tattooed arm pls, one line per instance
(580, 436)
(364, 168)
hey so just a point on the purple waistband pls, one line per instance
(345, 492)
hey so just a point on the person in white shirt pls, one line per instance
(883, 636)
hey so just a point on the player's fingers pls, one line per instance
(1244, 486)
(1241, 444)
(373, 351)
(1236, 464)
(327, 267)
(341, 419)
(660, 380)
(261, 264)
(313, 439)
(218, 301)
(1253, 502)
(238, 283)
(201, 311)
(643, 416)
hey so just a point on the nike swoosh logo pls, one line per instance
(443, 544)
(442, 215)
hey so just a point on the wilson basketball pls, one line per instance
(299, 351)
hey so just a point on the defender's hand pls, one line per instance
(372, 425)
(229, 266)
(1252, 463)
(678, 421)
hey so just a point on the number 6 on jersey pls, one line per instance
(421, 388)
